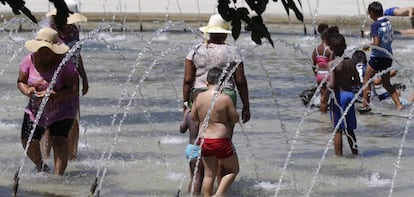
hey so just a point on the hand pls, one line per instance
(85, 87)
(245, 114)
(366, 47)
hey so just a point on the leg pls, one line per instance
(46, 145)
(34, 153)
(338, 142)
(394, 94)
(73, 140)
(231, 164)
(198, 180)
(352, 141)
(368, 74)
(210, 170)
(60, 151)
(323, 106)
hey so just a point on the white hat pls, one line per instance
(216, 24)
(47, 37)
(72, 18)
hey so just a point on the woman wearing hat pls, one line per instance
(70, 36)
(36, 72)
(215, 53)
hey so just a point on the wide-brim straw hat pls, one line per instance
(72, 18)
(47, 37)
(216, 24)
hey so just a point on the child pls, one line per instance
(192, 151)
(320, 58)
(217, 146)
(344, 77)
(382, 36)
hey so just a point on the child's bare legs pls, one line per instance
(411, 99)
(352, 141)
(210, 172)
(338, 142)
(394, 94)
(199, 177)
(231, 164)
(323, 106)
(370, 72)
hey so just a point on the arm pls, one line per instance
(241, 84)
(189, 78)
(184, 123)
(194, 112)
(231, 109)
(314, 61)
(82, 74)
(22, 84)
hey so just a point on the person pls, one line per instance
(192, 151)
(35, 75)
(321, 55)
(216, 145)
(397, 11)
(69, 35)
(411, 99)
(215, 53)
(344, 77)
(382, 33)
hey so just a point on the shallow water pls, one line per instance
(148, 157)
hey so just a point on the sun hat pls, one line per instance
(216, 24)
(72, 18)
(47, 37)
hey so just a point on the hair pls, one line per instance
(328, 32)
(359, 56)
(213, 75)
(337, 44)
(375, 8)
(322, 27)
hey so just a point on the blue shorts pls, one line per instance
(192, 151)
(380, 63)
(343, 98)
(389, 11)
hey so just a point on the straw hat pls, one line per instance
(47, 37)
(216, 24)
(72, 18)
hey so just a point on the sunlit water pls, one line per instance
(148, 157)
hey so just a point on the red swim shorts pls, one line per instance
(221, 148)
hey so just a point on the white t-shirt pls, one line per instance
(208, 56)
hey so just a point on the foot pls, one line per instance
(363, 110)
(45, 168)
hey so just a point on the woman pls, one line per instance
(35, 75)
(70, 36)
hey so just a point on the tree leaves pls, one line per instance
(255, 24)
(17, 6)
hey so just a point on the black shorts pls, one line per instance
(380, 63)
(59, 128)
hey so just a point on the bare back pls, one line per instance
(222, 117)
(345, 75)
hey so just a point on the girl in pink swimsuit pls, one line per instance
(321, 56)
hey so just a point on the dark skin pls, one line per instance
(344, 76)
(239, 78)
